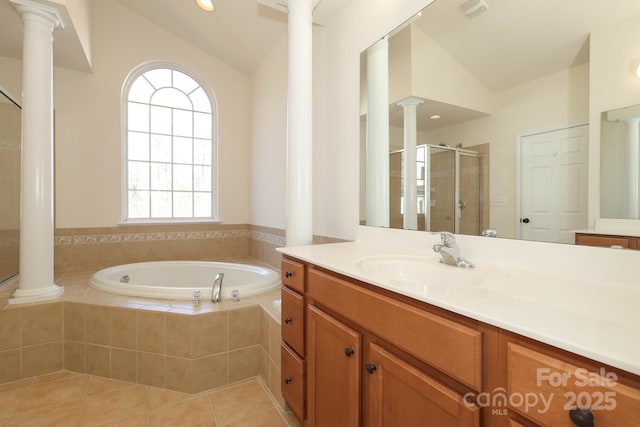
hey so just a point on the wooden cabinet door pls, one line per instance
(293, 320)
(333, 371)
(398, 394)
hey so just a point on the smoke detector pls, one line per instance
(473, 8)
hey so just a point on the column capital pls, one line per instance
(410, 101)
(46, 11)
(283, 5)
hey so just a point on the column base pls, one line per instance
(26, 296)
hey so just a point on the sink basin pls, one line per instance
(416, 272)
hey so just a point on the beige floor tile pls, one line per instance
(270, 418)
(55, 376)
(239, 401)
(291, 419)
(139, 420)
(54, 393)
(113, 406)
(99, 385)
(54, 416)
(10, 398)
(13, 385)
(191, 412)
(160, 396)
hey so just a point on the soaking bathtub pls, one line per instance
(180, 279)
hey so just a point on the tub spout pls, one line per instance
(216, 290)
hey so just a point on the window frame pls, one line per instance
(124, 109)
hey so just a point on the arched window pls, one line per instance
(170, 147)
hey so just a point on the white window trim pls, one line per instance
(124, 158)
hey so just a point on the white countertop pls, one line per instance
(592, 317)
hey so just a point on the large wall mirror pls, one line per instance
(10, 137)
(475, 115)
(620, 163)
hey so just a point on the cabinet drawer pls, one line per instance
(551, 387)
(292, 274)
(604, 241)
(442, 343)
(292, 380)
(293, 320)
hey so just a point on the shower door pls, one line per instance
(440, 190)
(448, 189)
(469, 193)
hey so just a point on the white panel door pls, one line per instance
(554, 189)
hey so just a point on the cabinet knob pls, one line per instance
(582, 417)
(287, 320)
(349, 351)
(288, 274)
(371, 367)
(287, 380)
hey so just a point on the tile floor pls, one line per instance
(70, 399)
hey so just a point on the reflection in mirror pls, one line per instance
(10, 124)
(506, 90)
(620, 163)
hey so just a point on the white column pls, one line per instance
(632, 174)
(377, 164)
(299, 125)
(410, 108)
(36, 218)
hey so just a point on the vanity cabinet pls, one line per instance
(292, 351)
(371, 357)
(374, 360)
(608, 241)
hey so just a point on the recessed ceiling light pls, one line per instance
(435, 117)
(205, 5)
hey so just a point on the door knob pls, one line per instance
(287, 380)
(288, 274)
(525, 220)
(371, 367)
(349, 351)
(287, 320)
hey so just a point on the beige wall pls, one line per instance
(613, 85)
(336, 165)
(554, 101)
(88, 118)
(448, 81)
(268, 138)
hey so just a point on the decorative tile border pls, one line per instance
(146, 237)
(268, 238)
(9, 241)
(10, 144)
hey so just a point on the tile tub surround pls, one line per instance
(166, 344)
(84, 249)
(67, 398)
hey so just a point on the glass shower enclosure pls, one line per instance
(449, 189)
(10, 136)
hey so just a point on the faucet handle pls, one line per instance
(447, 239)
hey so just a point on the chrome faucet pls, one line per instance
(450, 251)
(216, 290)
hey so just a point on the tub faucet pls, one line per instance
(450, 251)
(216, 289)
